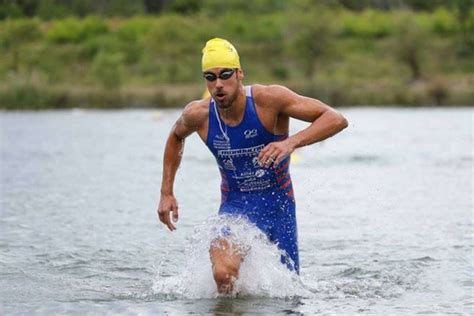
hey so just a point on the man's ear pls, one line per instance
(240, 74)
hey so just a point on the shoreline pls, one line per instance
(37, 97)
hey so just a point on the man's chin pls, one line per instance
(223, 104)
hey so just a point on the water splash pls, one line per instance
(261, 273)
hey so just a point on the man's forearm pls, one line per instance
(327, 125)
(171, 161)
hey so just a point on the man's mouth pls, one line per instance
(220, 95)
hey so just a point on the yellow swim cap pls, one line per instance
(219, 53)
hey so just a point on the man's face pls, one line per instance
(223, 84)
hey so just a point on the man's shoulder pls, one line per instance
(270, 95)
(196, 111)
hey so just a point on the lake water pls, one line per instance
(385, 212)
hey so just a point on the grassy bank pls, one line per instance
(339, 56)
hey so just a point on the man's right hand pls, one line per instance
(168, 204)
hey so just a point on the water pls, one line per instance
(385, 216)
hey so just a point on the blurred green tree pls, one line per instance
(108, 69)
(53, 9)
(409, 43)
(174, 45)
(154, 6)
(15, 35)
(121, 7)
(17, 8)
(73, 30)
(465, 17)
(50, 9)
(419, 5)
(183, 6)
(9, 10)
(424, 5)
(310, 34)
(218, 7)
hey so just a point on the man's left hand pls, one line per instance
(274, 153)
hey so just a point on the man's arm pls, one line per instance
(189, 122)
(325, 122)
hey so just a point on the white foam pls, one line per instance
(261, 273)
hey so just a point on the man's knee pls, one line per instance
(225, 273)
(225, 265)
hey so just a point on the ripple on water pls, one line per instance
(384, 279)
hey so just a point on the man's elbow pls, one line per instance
(344, 123)
(340, 122)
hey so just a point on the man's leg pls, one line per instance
(225, 258)
(285, 235)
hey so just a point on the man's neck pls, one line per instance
(233, 115)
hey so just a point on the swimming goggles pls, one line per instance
(224, 75)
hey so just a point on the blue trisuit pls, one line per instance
(263, 195)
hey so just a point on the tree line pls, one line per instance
(53, 9)
(339, 55)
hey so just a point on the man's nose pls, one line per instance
(219, 83)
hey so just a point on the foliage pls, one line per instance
(73, 30)
(216, 7)
(131, 35)
(108, 69)
(10, 10)
(183, 6)
(59, 9)
(465, 15)
(410, 43)
(49, 9)
(444, 22)
(27, 93)
(134, 29)
(368, 24)
(175, 46)
(55, 9)
(16, 34)
(317, 47)
(310, 37)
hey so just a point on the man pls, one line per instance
(246, 129)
